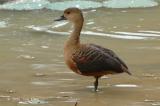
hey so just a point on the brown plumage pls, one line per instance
(88, 59)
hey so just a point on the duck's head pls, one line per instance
(72, 14)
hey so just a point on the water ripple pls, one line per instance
(28, 57)
(113, 35)
(67, 92)
(46, 66)
(43, 83)
(59, 24)
(153, 32)
(3, 24)
(140, 35)
(126, 85)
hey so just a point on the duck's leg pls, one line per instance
(96, 84)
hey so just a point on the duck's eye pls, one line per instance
(68, 12)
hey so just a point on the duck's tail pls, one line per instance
(126, 70)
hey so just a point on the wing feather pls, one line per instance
(92, 58)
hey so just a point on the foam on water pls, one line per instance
(129, 3)
(25, 5)
(79, 3)
(82, 4)
(40, 4)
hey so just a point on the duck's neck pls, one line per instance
(74, 38)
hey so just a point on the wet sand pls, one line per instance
(33, 72)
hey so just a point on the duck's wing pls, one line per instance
(112, 54)
(93, 58)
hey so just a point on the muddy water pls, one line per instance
(33, 71)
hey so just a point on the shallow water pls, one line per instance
(33, 72)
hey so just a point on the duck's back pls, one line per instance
(92, 59)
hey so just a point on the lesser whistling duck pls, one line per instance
(88, 59)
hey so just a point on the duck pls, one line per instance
(88, 59)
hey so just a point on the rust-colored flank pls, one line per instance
(88, 59)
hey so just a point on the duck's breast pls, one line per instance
(68, 57)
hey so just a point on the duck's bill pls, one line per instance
(61, 18)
